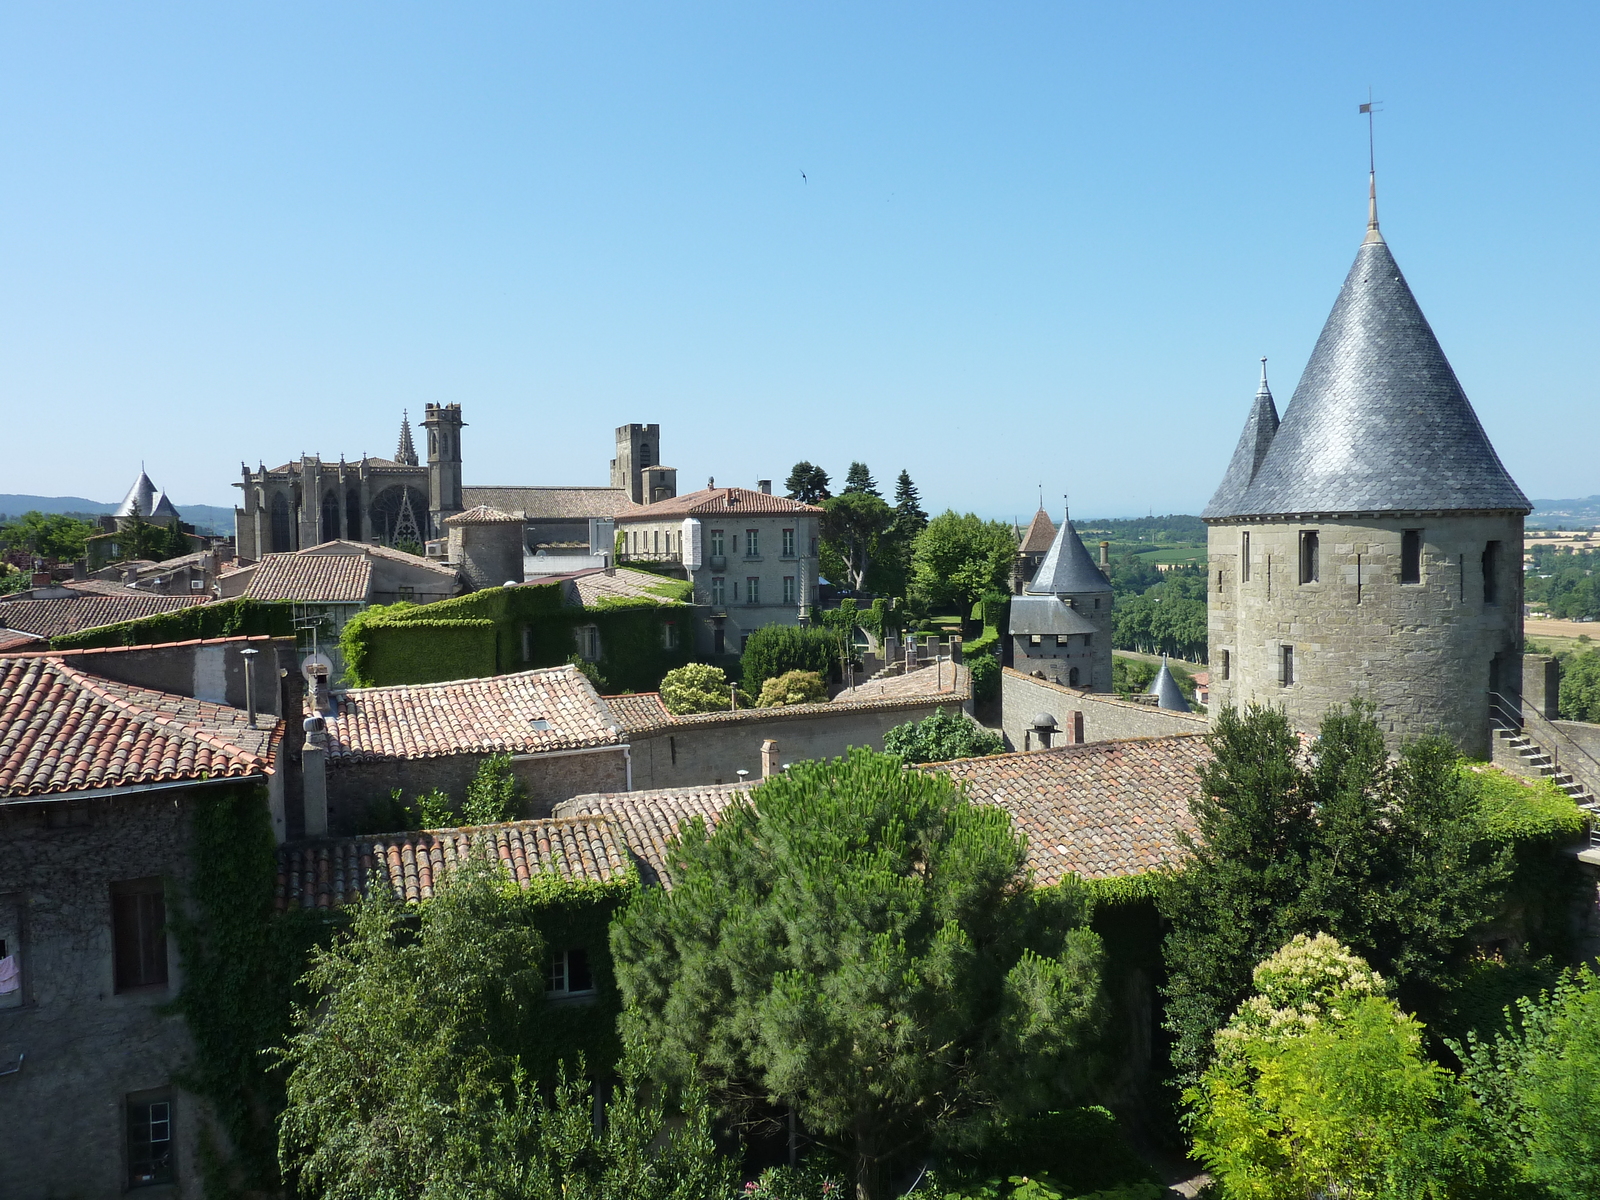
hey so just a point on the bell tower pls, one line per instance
(444, 424)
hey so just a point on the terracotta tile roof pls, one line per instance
(340, 546)
(1101, 810)
(649, 820)
(12, 639)
(324, 874)
(73, 614)
(64, 730)
(1040, 536)
(645, 713)
(729, 501)
(312, 578)
(552, 503)
(98, 587)
(471, 716)
(622, 584)
(482, 514)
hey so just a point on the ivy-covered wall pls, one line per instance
(223, 618)
(483, 634)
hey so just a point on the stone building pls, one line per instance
(486, 546)
(637, 467)
(1061, 623)
(751, 556)
(1371, 545)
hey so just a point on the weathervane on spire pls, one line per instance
(1369, 108)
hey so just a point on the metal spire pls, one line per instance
(1264, 388)
(1369, 108)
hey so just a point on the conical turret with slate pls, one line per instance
(1166, 690)
(1060, 625)
(1369, 546)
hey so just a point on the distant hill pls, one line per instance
(1174, 527)
(206, 518)
(1566, 512)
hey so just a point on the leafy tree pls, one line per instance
(909, 519)
(857, 942)
(174, 543)
(495, 793)
(956, 559)
(1383, 854)
(699, 687)
(53, 535)
(139, 539)
(1320, 1088)
(587, 669)
(860, 480)
(778, 649)
(985, 673)
(854, 525)
(793, 687)
(1540, 1082)
(1580, 687)
(940, 737)
(808, 484)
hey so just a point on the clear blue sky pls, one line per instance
(1038, 242)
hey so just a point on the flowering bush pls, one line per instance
(1297, 987)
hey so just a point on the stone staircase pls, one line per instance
(1532, 760)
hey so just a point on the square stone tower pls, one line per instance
(444, 425)
(637, 467)
(1370, 546)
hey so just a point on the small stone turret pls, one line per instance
(486, 545)
(1061, 623)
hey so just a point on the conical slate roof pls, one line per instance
(406, 452)
(1166, 690)
(161, 508)
(1253, 445)
(1041, 532)
(142, 493)
(1067, 568)
(1379, 422)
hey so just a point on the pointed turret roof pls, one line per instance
(1166, 690)
(1254, 443)
(1379, 422)
(1067, 568)
(1041, 533)
(161, 509)
(406, 453)
(142, 493)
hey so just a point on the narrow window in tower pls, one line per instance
(1244, 558)
(1308, 556)
(1224, 664)
(1286, 665)
(1491, 573)
(1411, 556)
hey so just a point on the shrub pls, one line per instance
(940, 738)
(1580, 687)
(494, 795)
(698, 688)
(793, 687)
(985, 670)
(777, 649)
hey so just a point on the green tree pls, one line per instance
(1320, 1088)
(940, 737)
(857, 943)
(853, 526)
(775, 650)
(909, 519)
(139, 539)
(1580, 687)
(49, 536)
(495, 793)
(793, 687)
(808, 484)
(956, 559)
(1539, 1080)
(860, 480)
(699, 687)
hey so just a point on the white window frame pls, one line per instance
(788, 543)
(752, 587)
(560, 974)
(752, 543)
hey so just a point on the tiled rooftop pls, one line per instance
(552, 503)
(939, 680)
(483, 514)
(324, 874)
(340, 546)
(312, 578)
(1040, 536)
(64, 730)
(712, 502)
(16, 639)
(620, 584)
(471, 716)
(74, 614)
(1101, 810)
(648, 820)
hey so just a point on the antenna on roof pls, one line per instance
(1370, 108)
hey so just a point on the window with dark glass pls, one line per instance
(1411, 556)
(139, 934)
(788, 589)
(719, 587)
(1491, 573)
(1309, 566)
(717, 543)
(752, 543)
(569, 974)
(752, 590)
(149, 1142)
(788, 543)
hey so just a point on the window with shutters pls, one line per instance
(138, 934)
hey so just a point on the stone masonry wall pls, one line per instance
(1105, 717)
(353, 785)
(86, 1047)
(1421, 652)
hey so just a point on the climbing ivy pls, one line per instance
(224, 618)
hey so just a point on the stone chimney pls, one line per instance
(1105, 556)
(764, 486)
(769, 758)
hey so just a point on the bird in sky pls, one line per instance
(803, 178)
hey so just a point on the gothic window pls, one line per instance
(1411, 556)
(282, 533)
(352, 515)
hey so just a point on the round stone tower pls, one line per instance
(486, 544)
(1371, 545)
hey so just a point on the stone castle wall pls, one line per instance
(1424, 653)
(1105, 717)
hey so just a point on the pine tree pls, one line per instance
(808, 483)
(909, 517)
(859, 479)
(175, 542)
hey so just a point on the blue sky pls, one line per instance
(1036, 243)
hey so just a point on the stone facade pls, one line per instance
(1023, 698)
(637, 467)
(1060, 623)
(1427, 653)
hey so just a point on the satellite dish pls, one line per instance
(316, 663)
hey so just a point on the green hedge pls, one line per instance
(224, 618)
(482, 634)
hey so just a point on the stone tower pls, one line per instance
(486, 544)
(637, 467)
(1061, 623)
(1371, 545)
(444, 424)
